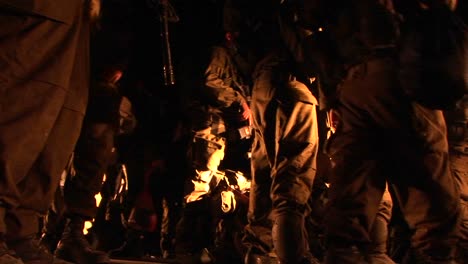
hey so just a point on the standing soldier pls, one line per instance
(44, 83)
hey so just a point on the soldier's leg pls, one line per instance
(90, 162)
(379, 232)
(434, 218)
(292, 183)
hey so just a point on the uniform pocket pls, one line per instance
(41, 49)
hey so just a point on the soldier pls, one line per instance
(44, 64)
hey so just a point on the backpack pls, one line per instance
(433, 57)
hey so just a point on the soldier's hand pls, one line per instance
(246, 113)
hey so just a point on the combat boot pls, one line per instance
(290, 239)
(74, 247)
(377, 250)
(132, 247)
(31, 251)
(167, 246)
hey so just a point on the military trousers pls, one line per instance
(43, 94)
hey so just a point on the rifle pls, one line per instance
(166, 13)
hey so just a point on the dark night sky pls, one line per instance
(130, 34)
